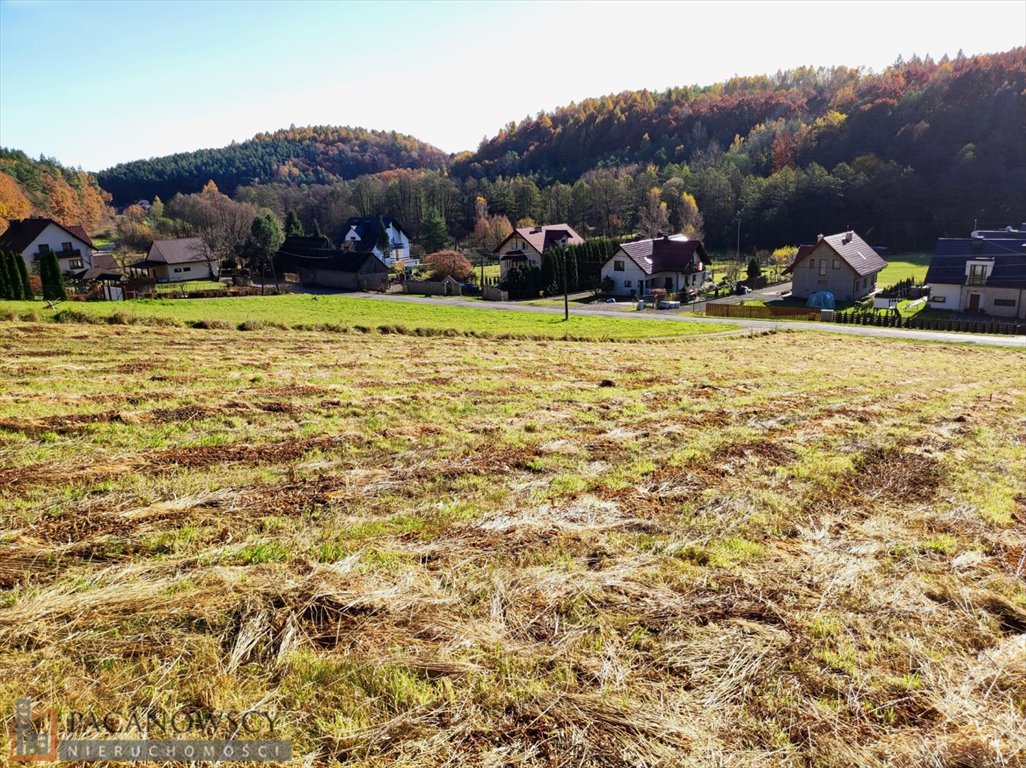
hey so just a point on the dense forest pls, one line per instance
(921, 150)
(313, 155)
(44, 187)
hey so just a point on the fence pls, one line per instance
(760, 311)
(894, 320)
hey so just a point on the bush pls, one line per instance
(448, 263)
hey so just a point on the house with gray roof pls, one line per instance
(174, 261)
(843, 264)
(984, 274)
(672, 263)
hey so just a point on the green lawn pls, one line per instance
(190, 285)
(902, 267)
(345, 312)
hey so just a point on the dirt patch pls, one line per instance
(267, 453)
(62, 425)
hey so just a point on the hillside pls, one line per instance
(312, 155)
(44, 187)
(733, 551)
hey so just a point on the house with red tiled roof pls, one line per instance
(32, 239)
(525, 245)
(843, 264)
(672, 263)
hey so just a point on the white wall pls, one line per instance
(178, 273)
(641, 283)
(951, 295)
(55, 237)
(956, 299)
(517, 243)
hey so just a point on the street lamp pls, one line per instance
(566, 293)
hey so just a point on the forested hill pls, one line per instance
(920, 113)
(44, 187)
(312, 155)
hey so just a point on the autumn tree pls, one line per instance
(448, 263)
(692, 223)
(13, 203)
(655, 218)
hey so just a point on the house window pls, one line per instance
(1004, 302)
(977, 274)
(178, 269)
(75, 264)
(66, 246)
(937, 299)
(618, 266)
(43, 249)
(668, 283)
(187, 269)
(837, 263)
(627, 283)
(822, 267)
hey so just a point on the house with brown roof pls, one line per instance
(672, 263)
(174, 261)
(525, 245)
(843, 264)
(34, 238)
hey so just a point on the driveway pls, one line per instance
(769, 293)
(618, 310)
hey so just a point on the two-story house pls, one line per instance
(671, 262)
(843, 264)
(526, 245)
(984, 274)
(380, 235)
(32, 239)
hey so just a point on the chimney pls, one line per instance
(818, 238)
(847, 237)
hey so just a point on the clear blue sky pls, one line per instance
(97, 83)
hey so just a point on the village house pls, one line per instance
(380, 235)
(983, 274)
(525, 246)
(671, 263)
(34, 238)
(843, 264)
(173, 261)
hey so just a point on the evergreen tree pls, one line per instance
(754, 270)
(551, 275)
(5, 281)
(53, 281)
(293, 226)
(12, 277)
(436, 232)
(572, 276)
(26, 284)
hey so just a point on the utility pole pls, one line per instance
(566, 293)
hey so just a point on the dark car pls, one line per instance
(741, 289)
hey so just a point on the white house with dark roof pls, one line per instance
(369, 234)
(34, 238)
(984, 274)
(843, 264)
(526, 245)
(185, 258)
(672, 263)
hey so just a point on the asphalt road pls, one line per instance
(606, 310)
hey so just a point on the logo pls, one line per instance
(35, 737)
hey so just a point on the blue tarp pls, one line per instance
(821, 300)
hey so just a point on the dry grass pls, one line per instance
(776, 550)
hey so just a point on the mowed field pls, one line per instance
(781, 549)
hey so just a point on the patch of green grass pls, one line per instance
(369, 315)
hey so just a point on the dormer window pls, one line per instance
(66, 246)
(977, 271)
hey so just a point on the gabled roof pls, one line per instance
(665, 254)
(20, 234)
(338, 261)
(300, 243)
(544, 237)
(183, 250)
(1007, 233)
(853, 250)
(948, 263)
(367, 229)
